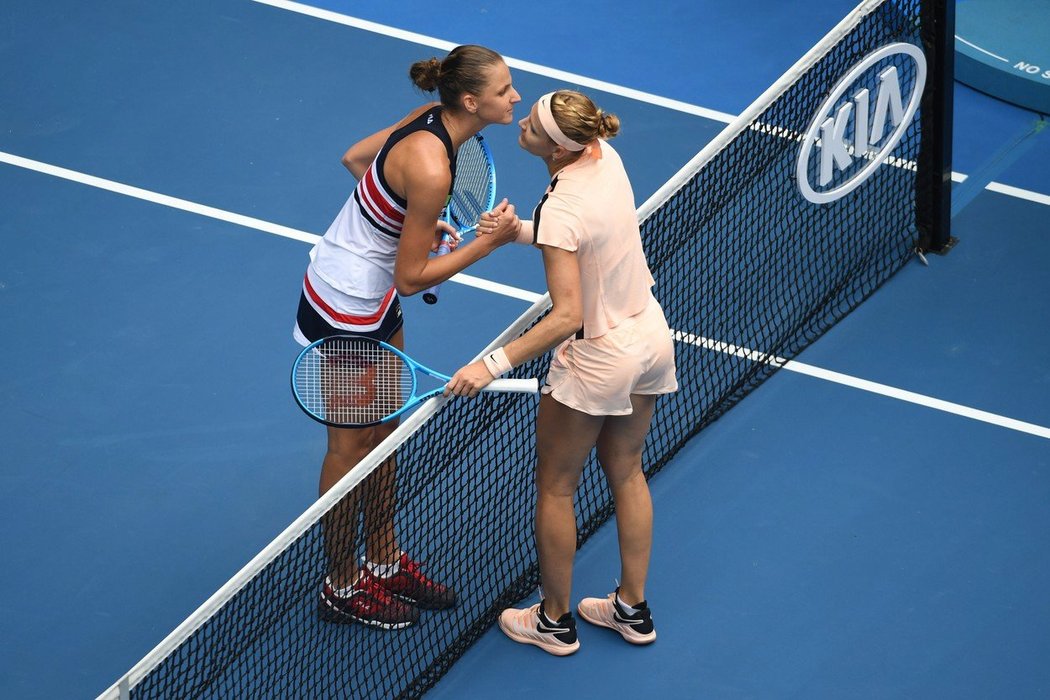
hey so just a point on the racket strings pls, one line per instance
(350, 381)
(473, 188)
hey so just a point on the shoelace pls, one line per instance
(414, 569)
(369, 584)
(532, 619)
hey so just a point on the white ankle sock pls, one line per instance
(384, 570)
(626, 608)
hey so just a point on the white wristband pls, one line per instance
(525, 234)
(497, 362)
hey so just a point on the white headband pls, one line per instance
(551, 126)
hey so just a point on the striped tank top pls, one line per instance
(356, 254)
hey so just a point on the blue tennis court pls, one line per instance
(871, 522)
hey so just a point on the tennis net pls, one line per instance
(797, 212)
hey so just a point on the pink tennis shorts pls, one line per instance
(598, 375)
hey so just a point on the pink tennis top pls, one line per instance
(589, 208)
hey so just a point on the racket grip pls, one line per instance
(430, 296)
(520, 386)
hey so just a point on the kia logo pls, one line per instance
(850, 138)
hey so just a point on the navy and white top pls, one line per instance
(356, 255)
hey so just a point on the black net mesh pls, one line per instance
(741, 259)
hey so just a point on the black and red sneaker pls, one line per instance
(367, 603)
(410, 585)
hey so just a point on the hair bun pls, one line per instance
(608, 125)
(425, 74)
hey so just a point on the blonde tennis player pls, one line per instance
(614, 357)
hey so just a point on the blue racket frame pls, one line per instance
(430, 296)
(527, 386)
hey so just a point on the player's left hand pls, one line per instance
(443, 228)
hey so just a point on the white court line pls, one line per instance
(156, 198)
(393, 32)
(526, 66)
(230, 217)
(506, 290)
(1019, 193)
(865, 385)
(920, 399)
(1009, 190)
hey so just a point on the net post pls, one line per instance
(934, 176)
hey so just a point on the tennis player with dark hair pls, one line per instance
(614, 356)
(377, 248)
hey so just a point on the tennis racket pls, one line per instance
(473, 193)
(351, 382)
